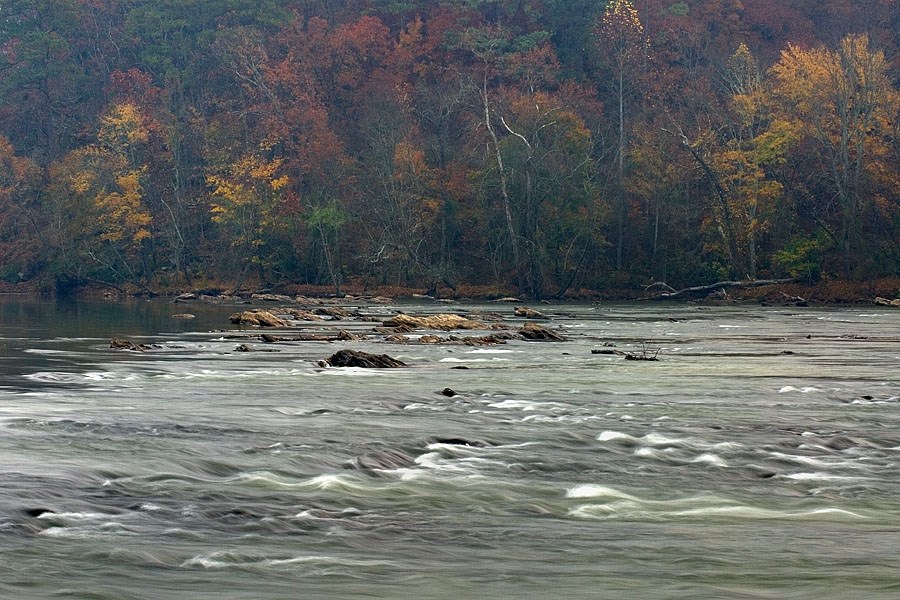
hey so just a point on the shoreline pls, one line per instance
(822, 293)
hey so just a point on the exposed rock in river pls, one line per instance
(879, 301)
(355, 358)
(120, 344)
(258, 318)
(539, 333)
(529, 313)
(444, 322)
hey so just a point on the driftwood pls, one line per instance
(721, 285)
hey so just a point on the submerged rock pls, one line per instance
(381, 461)
(356, 358)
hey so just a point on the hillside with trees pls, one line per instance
(541, 147)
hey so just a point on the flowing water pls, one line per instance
(756, 458)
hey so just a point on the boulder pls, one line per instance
(266, 297)
(258, 318)
(355, 358)
(444, 322)
(120, 344)
(335, 312)
(529, 313)
(879, 301)
(539, 333)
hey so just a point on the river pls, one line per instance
(756, 458)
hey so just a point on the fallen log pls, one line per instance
(701, 289)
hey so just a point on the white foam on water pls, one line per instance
(710, 459)
(804, 390)
(617, 436)
(815, 462)
(819, 476)
(589, 490)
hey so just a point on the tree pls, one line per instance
(246, 199)
(623, 46)
(21, 218)
(839, 100)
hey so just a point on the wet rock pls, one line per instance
(356, 358)
(258, 318)
(488, 340)
(270, 298)
(443, 322)
(448, 392)
(271, 339)
(120, 344)
(335, 312)
(186, 297)
(299, 314)
(529, 313)
(538, 333)
(879, 301)
(347, 336)
(248, 348)
(459, 441)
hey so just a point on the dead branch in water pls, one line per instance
(721, 285)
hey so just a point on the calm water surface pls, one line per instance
(757, 458)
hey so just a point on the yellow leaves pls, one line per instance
(834, 92)
(122, 128)
(247, 196)
(121, 212)
(82, 182)
(621, 14)
(103, 196)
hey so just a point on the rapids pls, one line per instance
(756, 458)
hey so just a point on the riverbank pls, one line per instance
(826, 292)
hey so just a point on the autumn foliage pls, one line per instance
(539, 147)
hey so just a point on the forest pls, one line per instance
(536, 147)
